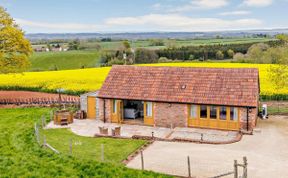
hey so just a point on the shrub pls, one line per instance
(219, 55)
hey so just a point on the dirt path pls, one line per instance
(266, 151)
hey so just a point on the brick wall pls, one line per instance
(107, 109)
(166, 114)
(253, 115)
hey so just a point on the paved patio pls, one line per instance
(91, 127)
(266, 151)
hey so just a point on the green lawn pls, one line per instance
(115, 150)
(21, 156)
(64, 60)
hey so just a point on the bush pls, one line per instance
(219, 55)
(230, 53)
(115, 61)
(191, 57)
(164, 59)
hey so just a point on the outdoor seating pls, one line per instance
(103, 131)
(116, 131)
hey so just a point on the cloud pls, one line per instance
(57, 26)
(174, 22)
(150, 22)
(257, 3)
(235, 13)
(156, 6)
(200, 4)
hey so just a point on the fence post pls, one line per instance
(37, 133)
(43, 121)
(102, 152)
(70, 146)
(245, 167)
(51, 116)
(235, 169)
(142, 160)
(44, 140)
(189, 168)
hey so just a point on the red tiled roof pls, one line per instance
(219, 86)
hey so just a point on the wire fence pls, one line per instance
(72, 146)
(189, 167)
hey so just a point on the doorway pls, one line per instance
(133, 112)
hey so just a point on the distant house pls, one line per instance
(217, 98)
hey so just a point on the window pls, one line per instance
(203, 111)
(223, 113)
(233, 114)
(114, 106)
(193, 111)
(149, 109)
(213, 112)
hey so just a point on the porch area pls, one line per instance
(90, 128)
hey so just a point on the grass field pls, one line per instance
(179, 43)
(41, 61)
(21, 156)
(116, 150)
(77, 81)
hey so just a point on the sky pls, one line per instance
(75, 16)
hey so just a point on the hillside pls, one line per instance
(41, 61)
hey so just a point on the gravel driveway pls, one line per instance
(266, 150)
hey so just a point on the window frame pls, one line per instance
(114, 106)
(193, 111)
(216, 114)
(220, 110)
(206, 112)
(232, 110)
(149, 109)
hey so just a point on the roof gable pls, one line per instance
(219, 86)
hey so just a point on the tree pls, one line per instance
(255, 52)
(126, 44)
(145, 56)
(219, 55)
(239, 56)
(15, 49)
(230, 53)
(74, 45)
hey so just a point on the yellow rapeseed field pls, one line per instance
(91, 79)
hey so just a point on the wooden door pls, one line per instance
(148, 113)
(233, 119)
(117, 111)
(91, 107)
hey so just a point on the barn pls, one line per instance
(214, 98)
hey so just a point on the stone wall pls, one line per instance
(170, 114)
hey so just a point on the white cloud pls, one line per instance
(200, 4)
(156, 6)
(174, 22)
(235, 13)
(57, 26)
(257, 3)
(150, 22)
